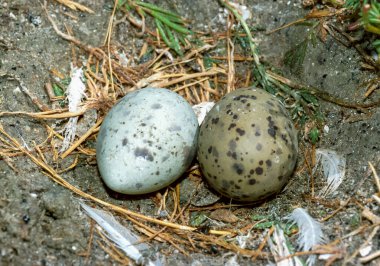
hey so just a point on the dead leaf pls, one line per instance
(224, 215)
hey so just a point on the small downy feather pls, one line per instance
(120, 235)
(333, 167)
(280, 249)
(75, 94)
(310, 231)
(202, 109)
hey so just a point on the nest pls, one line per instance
(108, 79)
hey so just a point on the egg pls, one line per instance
(247, 145)
(146, 141)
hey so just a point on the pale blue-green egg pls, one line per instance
(146, 141)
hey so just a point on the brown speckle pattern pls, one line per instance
(248, 145)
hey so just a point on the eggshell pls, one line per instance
(146, 141)
(247, 146)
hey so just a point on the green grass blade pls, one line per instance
(174, 44)
(170, 24)
(158, 9)
(162, 32)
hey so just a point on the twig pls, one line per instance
(210, 72)
(82, 139)
(53, 114)
(370, 257)
(75, 6)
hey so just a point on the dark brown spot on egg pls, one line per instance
(272, 132)
(138, 185)
(209, 149)
(174, 128)
(124, 141)
(252, 181)
(158, 172)
(244, 97)
(272, 128)
(225, 184)
(240, 131)
(215, 120)
(259, 170)
(252, 171)
(144, 153)
(232, 125)
(232, 154)
(235, 116)
(261, 162)
(268, 163)
(156, 106)
(238, 168)
(284, 138)
(259, 146)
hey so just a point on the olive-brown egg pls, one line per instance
(247, 145)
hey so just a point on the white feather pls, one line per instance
(202, 109)
(310, 231)
(334, 169)
(75, 94)
(280, 249)
(120, 235)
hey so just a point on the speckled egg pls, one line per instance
(146, 141)
(247, 145)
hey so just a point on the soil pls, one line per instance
(41, 222)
